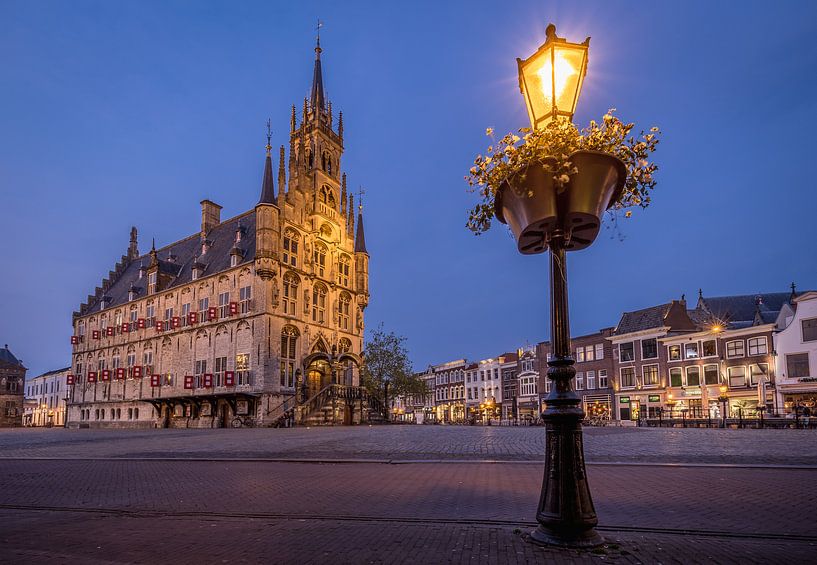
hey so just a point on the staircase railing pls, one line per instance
(283, 411)
(333, 392)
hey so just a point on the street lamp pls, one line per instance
(551, 78)
(564, 220)
(723, 398)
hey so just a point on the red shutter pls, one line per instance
(159, 326)
(208, 380)
(109, 331)
(120, 373)
(95, 334)
(155, 380)
(137, 372)
(91, 376)
(125, 327)
(188, 381)
(175, 322)
(229, 378)
(69, 379)
(74, 340)
(233, 308)
(192, 318)
(106, 375)
(212, 313)
(141, 323)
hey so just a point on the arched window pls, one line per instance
(344, 267)
(289, 342)
(320, 259)
(345, 346)
(319, 303)
(291, 238)
(290, 294)
(343, 311)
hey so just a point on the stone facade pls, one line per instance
(236, 318)
(12, 377)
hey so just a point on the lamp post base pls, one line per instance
(544, 536)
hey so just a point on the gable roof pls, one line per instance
(743, 307)
(177, 259)
(644, 319)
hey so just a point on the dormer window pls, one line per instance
(131, 294)
(152, 278)
(233, 260)
(142, 271)
(195, 273)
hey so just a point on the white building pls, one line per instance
(45, 399)
(795, 345)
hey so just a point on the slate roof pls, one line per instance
(7, 356)
(644, 319)
(509, 357)
(54, 372)
(742, 308)
(184, 252)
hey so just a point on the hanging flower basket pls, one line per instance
(532, 205)
(562, 178)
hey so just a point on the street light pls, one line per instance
(565, 220)
(551, 79)
(723, 398)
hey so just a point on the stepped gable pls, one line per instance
(184, 253)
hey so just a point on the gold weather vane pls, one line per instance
(360, 192)
(318, 30)
(269, 135)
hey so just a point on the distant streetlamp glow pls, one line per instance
(551, 79)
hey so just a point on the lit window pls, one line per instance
(628, 377)
(603, 378)
(343, 270)
(691, 350)
(735, 349)
(674, 352)
(319, 257)
(649, 374)
(757, 346)
(319, 303)
(343, 311)
(289, 338)
(291, 238)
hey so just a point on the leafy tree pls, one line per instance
(385, 357)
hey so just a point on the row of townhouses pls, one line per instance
(746, 355)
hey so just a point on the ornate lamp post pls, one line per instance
(723, 398)
(543, 218)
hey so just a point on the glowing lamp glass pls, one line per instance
(551, 79)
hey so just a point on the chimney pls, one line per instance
(210, 216)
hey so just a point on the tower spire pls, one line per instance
(360, 238)
(317, 99)
(267, 186)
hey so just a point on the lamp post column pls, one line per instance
(566, 514)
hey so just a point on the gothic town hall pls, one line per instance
(252, 320)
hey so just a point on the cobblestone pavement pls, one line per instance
(107, 496)
(641, 445)
(251, 511)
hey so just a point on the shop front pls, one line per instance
(527, 410)
(635, 407)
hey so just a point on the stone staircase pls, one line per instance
(339, 405)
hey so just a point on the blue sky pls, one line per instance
(129, 113)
